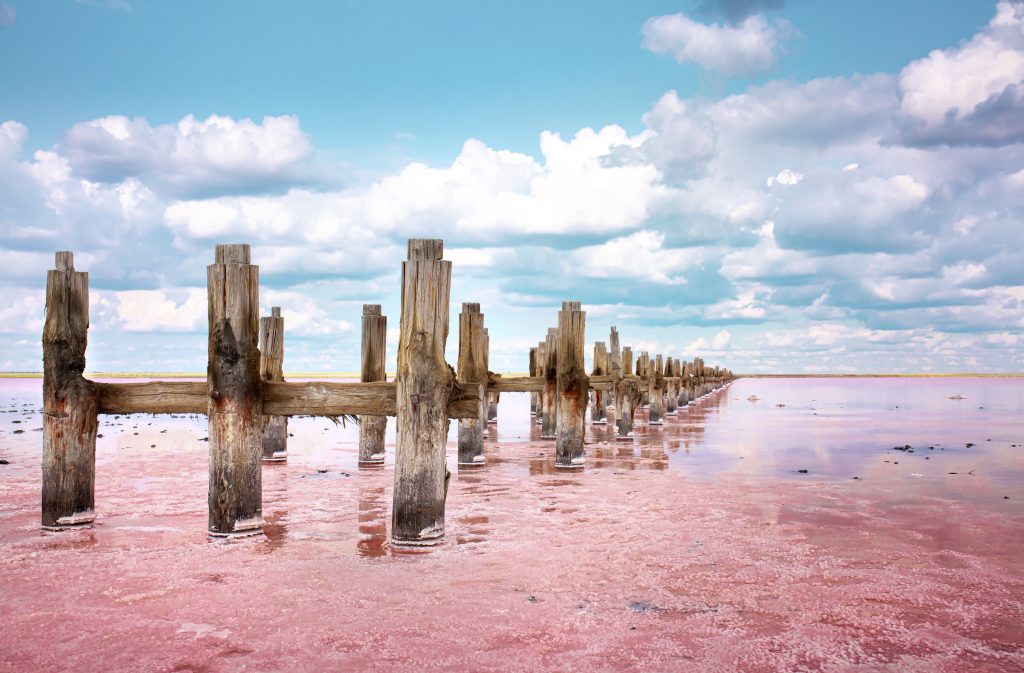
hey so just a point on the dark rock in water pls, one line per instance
(18, 432)
(4, 461)
(906, 447)
(858, 478)
(644, 606)
(970, 444)
(802, 471)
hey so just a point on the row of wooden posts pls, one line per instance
(248, 402)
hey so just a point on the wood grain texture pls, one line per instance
(627, 396)
(154, 397)
(472, 368)
(275, 428)
(533, 372)
(372, 427)
(655, 390)
(425, 384)
(280, 398)
(549, 396)
(235, 407)
(598, 407)
(70, 401)
(573, 386)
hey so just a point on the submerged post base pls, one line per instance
(279, 457)
(72, 522)
(421, 542)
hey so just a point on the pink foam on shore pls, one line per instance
(668, 554)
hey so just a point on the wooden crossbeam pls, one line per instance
(280, 398)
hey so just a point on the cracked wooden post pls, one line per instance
(598, 408)
(70, 402)
(492, 396)
(671, 386)
(371, 369)
(643, 370)
(235, 407)
(533, 372)
(573, 385)
(542, 359)
(686, 396)
(424, 384)
(275, 430)
(614, 364)
(472, 369)
(627, 396)
(655, 390)
(548, 428)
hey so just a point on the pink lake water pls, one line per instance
(698, 546)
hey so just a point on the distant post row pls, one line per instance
(248, 403)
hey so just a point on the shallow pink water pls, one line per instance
(696, 547)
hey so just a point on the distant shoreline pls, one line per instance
(391, 375)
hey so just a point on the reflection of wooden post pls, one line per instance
(374, 349)
(627, 395)
(598, 412)
(548, 428)
(472, 369)
(533, 372)
(275, 432)
(573, 385)
(70, 402)
(236, 394)
(655, 390)
(424, 384)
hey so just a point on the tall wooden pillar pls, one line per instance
(423, 387)
(598, 407)
(472, 369)
(627, 396)
(542, 364)
(573, 385)
(532, 373)
(671, 396)
(614, 365)
(236, 394)
(70, 401)
(548, 428)
(374, 349)
(275, 431)
(655, 390)
(492, 397)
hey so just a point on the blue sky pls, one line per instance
(778, 185)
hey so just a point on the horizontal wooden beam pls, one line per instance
(280, 398)
(517, 384)
(153, 397)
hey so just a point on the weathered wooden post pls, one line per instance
(275, 430)
(627, 395)
(492, 396)
(532, 373)
(374, 348)
(573, 385)
(424, 384)
(686, 395)
(70, 401)
(615, 364)
(643, 371)
(548, 428)
(236, 394)
(542, 360)
(598, 408)
(472, 369)
(671, 386)
(656, 390)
